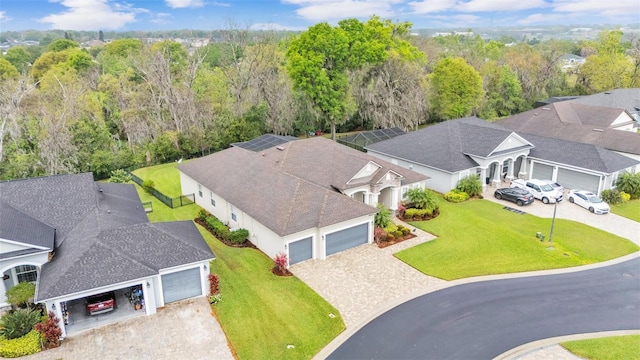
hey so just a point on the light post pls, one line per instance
(553, 219)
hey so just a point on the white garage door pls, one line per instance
(542, 172)
(347, 238)
(300, 250)
(181, 285)
(577, 180)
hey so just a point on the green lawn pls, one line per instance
(479, 237)
(260, 313)
(166, 178)
(630, 209)
(610, 348)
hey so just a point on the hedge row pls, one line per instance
(222, 231)
(417, 214)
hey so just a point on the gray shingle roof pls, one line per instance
(585, 156)
(446, 145)
(290, 188)
(575, 122)
(628, 99)
(20, 227)
(104, 236)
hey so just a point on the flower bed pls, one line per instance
(235, 238)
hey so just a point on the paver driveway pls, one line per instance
(182, 330)
(362, 279)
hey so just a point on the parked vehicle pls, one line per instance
(555, 185)
(516, 195)
(588, 200)
(101, 303)
(539, 189)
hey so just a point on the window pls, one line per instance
(28, 273)
(200, 190)
(404, 192)
(213, 200)
(233, 217)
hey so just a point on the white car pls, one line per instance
(555, 186)
(588, 200)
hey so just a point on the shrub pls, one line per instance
(624, 196)
(214, 284)
(612, 196)
(22, 346)
(148, 186)
(629, 183)
(422, 198)
(120, 176)
(470, 185)
(379, 234)
(398, 234)
(456, 196)
(383, 216)
(50, 331)
(21, 294)
(203, 215)
(18, 323)
(405, 231)
(280, 263)
(401, 209)
(418, 214)
(238, 236)
(391, 228)
(390, 237)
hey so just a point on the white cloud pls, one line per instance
(215, 3)
(540, 19)
(432, 6)
(455, 21)
(177, 4)
(499, 5)
(4, 17)
(90, 15)
(325, 10)
(275, 27)
(622, 7)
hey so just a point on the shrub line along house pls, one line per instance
(75, 237)
(454, 149)
(307, 198)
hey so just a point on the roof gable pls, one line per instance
(512, 142)
(366, 172)
(21, 228)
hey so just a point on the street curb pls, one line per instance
(345, 335)
(533, 346)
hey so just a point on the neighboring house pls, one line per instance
(75, 237)
(307, 198)
(612, 128)
(627, 99)
(454, 149)
(264, 142)
(571, 61)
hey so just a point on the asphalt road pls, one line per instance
(484, 319)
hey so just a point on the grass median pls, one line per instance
(479, 237)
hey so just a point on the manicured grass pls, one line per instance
(610, 348)
(166, 178)
(630, 209)
(261, 313)
(479, 237)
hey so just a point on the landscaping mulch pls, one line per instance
(385, 243)
(245, 244)
(281, 272)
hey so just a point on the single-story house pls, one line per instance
(75, 237)
(454, 149)
(307, 198)
(612, 128)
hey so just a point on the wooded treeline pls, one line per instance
(126, 104)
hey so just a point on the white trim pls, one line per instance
(14, 242)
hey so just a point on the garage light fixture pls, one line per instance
(148, 285)
(53, 307)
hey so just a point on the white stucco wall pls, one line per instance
(37, 259)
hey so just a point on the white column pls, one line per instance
(148, 294)
(395, 195)
(512, 164)
(483, 177)
(374, 199)
(495, 182)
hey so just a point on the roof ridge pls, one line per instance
(293, 201)
(325, 198)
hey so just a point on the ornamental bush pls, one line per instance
(470, 185)
(417, 214)
(629, 183)
(120, 176)
(383, 216)
(423, 199)
(390, 228)
(18, 323)
(238, 236)
(148, 186)
(612, 196)
(624, 196)
(50, 331)
(22, 346)
(456, 196)
(22, 294)
(379, 234)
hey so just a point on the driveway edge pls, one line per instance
(525, 349)
(336, 342)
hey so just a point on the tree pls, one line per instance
(456, 89)
(610, 68)
(422, 198)
(21, 294)
(63, 44)
(7, 70)
(503, 93)
(100, 35)
(18, 57)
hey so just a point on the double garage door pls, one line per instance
(302, 250)
(570, 179)
(181, 285)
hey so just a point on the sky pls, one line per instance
(297, 15)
